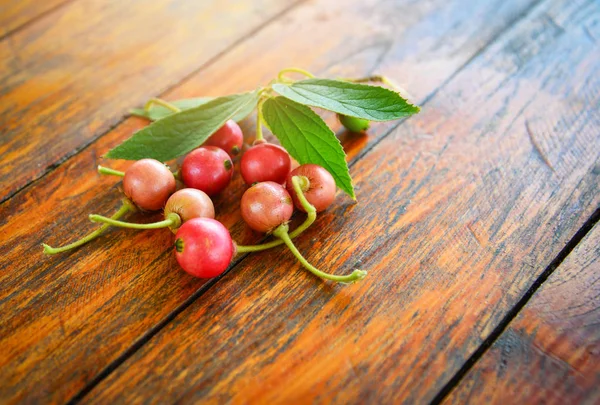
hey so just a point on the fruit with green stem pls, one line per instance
(265, 209)
(147, 183)
(310, 219)
(203, 247)
(317, 184)
(266, 205)
(182, 206)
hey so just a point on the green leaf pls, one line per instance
(373, 103)
(157, 112)
(179, 133)
(307, 138)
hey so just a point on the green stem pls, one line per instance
(264, 246)
(282, 232)
(126, 207)
(161, 102)
(300, 184)
(281, 76)
(259, 120)
(107, 170)
(171, 221)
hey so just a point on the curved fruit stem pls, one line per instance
(282, 232)
(299, 183)
(171, 221)
(281, 75)
(161, 102)
(126, 207)
(108, 170)
(259, 121)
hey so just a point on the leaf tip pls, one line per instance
(110, 154)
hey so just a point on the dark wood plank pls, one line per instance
(550, 352)
(458, 213)
(16, 13)
(113, 291)
(70, 76)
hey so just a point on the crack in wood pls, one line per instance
(537, 147)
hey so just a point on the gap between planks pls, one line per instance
(514, 311)
(131, 350)
(34, 19)
(243, 38)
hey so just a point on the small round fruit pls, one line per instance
(265, 162)
(148, 183)
(190, 203)
(321, 190)
(203, 247)
(207, 168)
(354, 124)
(229, 137)
(266, 205)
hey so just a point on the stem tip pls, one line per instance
(49, 250)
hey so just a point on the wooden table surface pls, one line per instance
(476, 218)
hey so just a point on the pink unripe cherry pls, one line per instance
(148, 184)
(266, 205)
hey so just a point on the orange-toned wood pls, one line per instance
(70, 316)
(71, 75)
(460, 209)
(550, 352)
(15, 13)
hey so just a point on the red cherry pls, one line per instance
(266, 205)
(207, 168)
(148, 183)
(229, 137)
(321, 191)
(203, 247)
(265, 162)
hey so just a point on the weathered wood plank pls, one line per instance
(73, 74)
(16, 13)
(550, 352)
(111, 292)
(458, 213)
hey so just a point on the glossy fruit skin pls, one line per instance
(265, 162)
(203, 247)
(207, 168)
(148, 184)
(354, 124)
(229, 137)
(266, 205)
(190, 203)
(321, 191)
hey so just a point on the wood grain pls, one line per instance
(550, 352)
(68, 317)
(73, 74)
(16, 13)
(457, 215)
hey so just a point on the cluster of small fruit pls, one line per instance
(203, 246)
